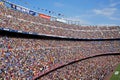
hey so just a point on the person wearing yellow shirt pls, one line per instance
(1, 3)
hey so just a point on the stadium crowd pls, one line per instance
(29, 58)
(19, 21)
(26, 59)
(92, 69)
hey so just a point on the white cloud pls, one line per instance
(106, 11)
(111, 11)
(113, 4)
(57, 4)
(114, 18)
(111, 1)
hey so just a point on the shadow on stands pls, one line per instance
(46, 37)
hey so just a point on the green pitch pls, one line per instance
(116, 74)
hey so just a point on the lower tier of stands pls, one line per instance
(91, 69)
(27, 58)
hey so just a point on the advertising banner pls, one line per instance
(61, 20)
(45, 16)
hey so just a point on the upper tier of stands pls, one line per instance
(20, 21)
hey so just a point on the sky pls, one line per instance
(90, 12)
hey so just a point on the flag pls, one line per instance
(32, 13)
(49, 11)
(13, 6)
(59, 14)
